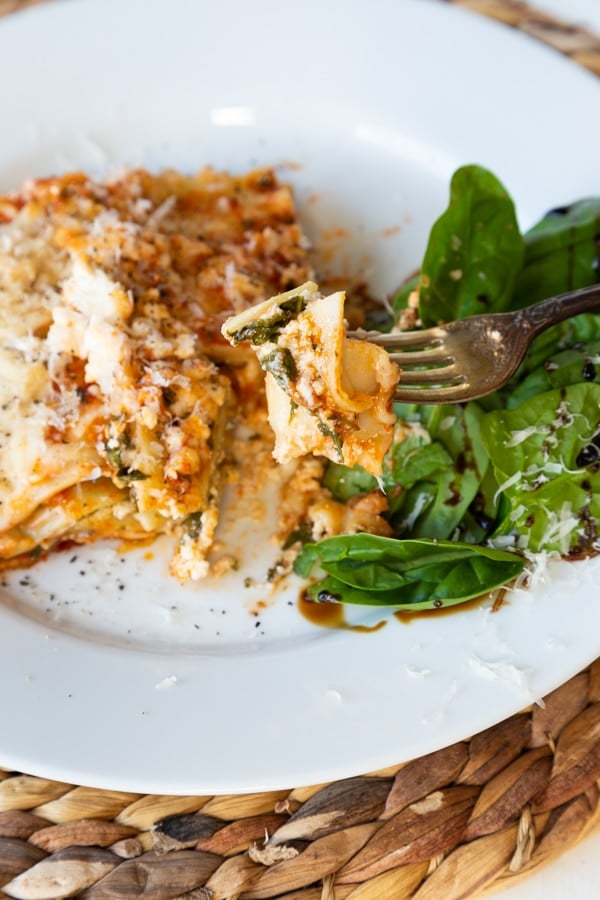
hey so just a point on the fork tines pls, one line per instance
(402, 340)
(421, 351)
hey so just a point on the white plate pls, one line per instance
(119, 678)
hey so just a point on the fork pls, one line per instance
(475, 356)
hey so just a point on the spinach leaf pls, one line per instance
(475, 251)
(347, 481)
(441, 466)
(430, 476)
(579, 333)
(261, 331)
(415, 458)
(562, 252)
(418, 574)
(545, 459)
(559, 369)
(281, 365)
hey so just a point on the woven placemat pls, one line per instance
(453, 824)
(449, 825)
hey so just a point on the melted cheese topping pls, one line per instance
(326, 394)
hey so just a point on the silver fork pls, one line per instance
(472, 357)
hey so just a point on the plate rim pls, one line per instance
(47, 644)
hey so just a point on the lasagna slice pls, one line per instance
(116, 387)
(327, 394)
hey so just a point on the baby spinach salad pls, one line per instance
(477, 489)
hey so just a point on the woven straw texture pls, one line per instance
(453, 824)
(448, 825)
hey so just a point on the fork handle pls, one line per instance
(540, 316)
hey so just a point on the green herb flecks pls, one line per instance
(114, 448)
(300, 535)
(261, 331)
(126, 474)
(192, 524)
(328, 430)
(279, 362)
